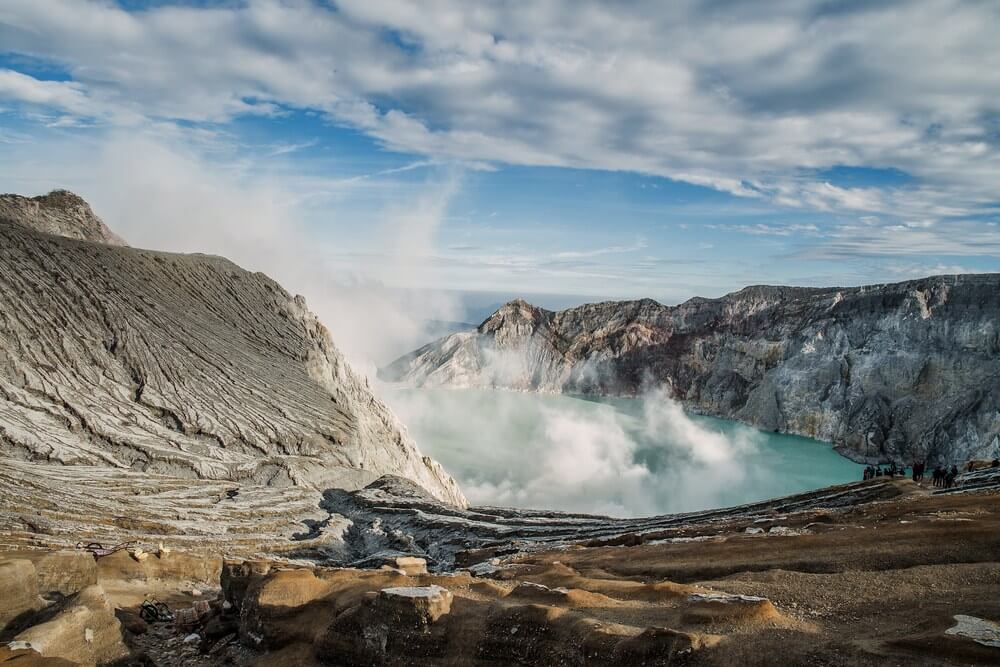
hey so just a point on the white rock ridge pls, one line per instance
(183, 366)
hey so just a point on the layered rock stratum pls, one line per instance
(146, 386)
(905, 371)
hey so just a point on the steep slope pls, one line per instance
(184, 366)
(903, 371)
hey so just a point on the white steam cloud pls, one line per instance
(621, 457)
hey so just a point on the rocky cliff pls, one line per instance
(61, 213)
(177, 366)
(902, 371)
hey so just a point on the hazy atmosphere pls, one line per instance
(656, 150)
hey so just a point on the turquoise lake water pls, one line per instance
(621, 457)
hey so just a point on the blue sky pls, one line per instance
(579, 148)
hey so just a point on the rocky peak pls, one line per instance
(517, 315)
(61, 213)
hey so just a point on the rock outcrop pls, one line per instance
(61, 213)
(901, 371)
(126, 369)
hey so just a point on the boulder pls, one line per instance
(411, 566)
(132, 621)
(284, 606)
(25, 657)
(85, 631)
(414, 605)
(979, 630)
(66, 572)
(18, 593)
(404, 622)
(237, 575)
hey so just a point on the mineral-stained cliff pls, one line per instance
(902, 371)
(184, 366)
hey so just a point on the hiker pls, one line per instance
(936, 476)
(952, 474)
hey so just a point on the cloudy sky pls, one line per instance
(660, 149)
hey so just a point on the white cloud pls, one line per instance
(63, 95)
(741, 100)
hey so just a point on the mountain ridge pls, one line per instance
(923, 354)
(185, 366)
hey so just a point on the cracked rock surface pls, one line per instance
(173, 378)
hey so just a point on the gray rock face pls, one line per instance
(61, 213)
(185, 366)
(901, 371)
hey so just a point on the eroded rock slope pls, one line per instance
(901, 371)
(183, 366)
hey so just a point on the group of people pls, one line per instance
(942, 477)
(871, 472)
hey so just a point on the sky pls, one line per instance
(580, 148)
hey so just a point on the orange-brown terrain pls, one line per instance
(906, 578)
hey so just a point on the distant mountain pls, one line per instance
(179, 365)
(902, 371)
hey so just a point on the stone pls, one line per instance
(18, 593)
(65, 571)
(131, 621)
(397, 621)
(415, 604)
(278, 608)
(411, 566)
(978, 630)
(85, 630)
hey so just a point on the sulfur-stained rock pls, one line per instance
(85, 630)
(414, 605)
(405, 623)
(25, 657)
(411, 566)
(726, 608)
(65, 571)
(277, 609)
(19, 597)
(180, 566)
